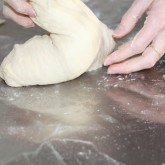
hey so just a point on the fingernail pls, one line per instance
(111, 58)
(107, 62)
(33, 13)
(119, 30)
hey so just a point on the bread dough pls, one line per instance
(77, 42)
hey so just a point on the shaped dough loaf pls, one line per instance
(78, 42)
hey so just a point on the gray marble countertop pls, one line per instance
(94, 120)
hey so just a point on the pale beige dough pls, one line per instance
(78, 42)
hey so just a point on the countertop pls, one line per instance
(97, 119)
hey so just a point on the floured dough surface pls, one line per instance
(77, 42)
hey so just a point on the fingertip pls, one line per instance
(32, 13)
(107, 61)
(26, 22)
(120, 31)
(110, 71)
(27, 9)
(29, 25)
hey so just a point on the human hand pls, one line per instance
(19, 11)
(150, 40)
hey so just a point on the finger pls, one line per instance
(139, 43)
(119, 55)
(151, 28)
(129, 66)
(131, 17)
(20, 19)
(21, 6)
(148, 59)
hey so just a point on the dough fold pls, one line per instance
(77, 42)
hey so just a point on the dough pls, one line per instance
(77, 42)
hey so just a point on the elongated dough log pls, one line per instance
(77, 42)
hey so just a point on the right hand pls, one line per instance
(148, 45)
(19, 11)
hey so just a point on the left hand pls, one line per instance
(150, 40)
(19, 11)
